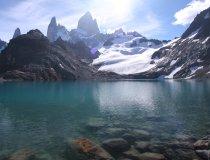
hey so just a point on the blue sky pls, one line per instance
(162, 19)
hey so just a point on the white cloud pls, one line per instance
(186, 15)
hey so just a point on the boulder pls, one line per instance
(85, 149)
(116, 145)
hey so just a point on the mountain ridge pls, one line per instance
(130, 55)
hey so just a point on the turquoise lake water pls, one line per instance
(42, 116)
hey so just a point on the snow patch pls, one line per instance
(193, 34)
(195, 69)
(205, 40)
(199, 60)
(172, 43)
(61, 65)
(173, 62)
(173, 73)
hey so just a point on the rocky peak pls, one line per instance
(119, 32)
(200, 26)
(52, 30)
(53, 21)
(17, 33)
(35, 34)
(88, 24)
(56, 30)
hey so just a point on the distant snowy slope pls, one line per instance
(125, 64)
(127, 54)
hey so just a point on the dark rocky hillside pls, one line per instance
(33, 57)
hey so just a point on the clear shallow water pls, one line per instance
(42, 116)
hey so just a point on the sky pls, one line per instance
(161, 19)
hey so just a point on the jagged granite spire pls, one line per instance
(56, 31)
(88, 24)
(17, 33)
(52, 30)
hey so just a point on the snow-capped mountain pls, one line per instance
(127, 53)
(17, 33)
(184, 57)
(2, 45)
(134, 55)
(87, 31)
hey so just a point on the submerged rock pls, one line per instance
(116, 145)
(132, 154)
(85, 149)
(142, 146)
(95, 123)
(202, 144)
(23, 154)
(151, 156)
(141, 134)
(115, 131)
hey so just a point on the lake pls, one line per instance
(43, 116)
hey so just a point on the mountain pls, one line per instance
(126, 53)
(2, 45)
(17, 33)
(33, 57)
(56, 31)
(88, 24)
(87, 32)
(184, 57)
